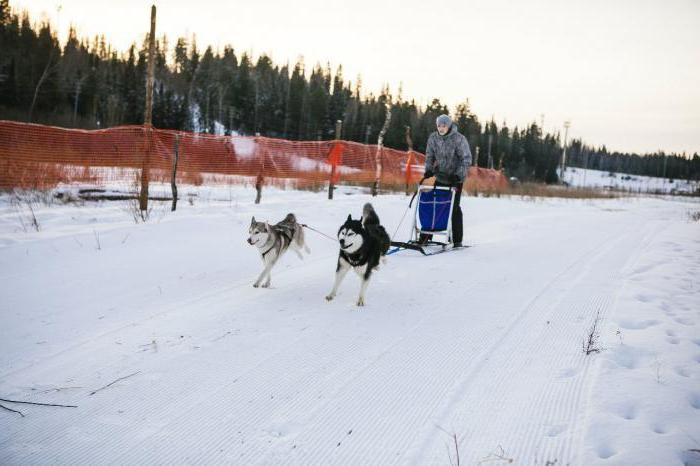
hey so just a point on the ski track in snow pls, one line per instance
(237, 375)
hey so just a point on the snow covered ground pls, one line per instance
(638, 184)
(478, 350)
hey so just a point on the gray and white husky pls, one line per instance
(273, 241)
(363, 244)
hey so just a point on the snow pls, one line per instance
(219, 128)
(195, 117)
(244, 147)
(306, 164)
(621, 181)
(484, 343)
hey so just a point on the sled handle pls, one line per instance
(416, 192)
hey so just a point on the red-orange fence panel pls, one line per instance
(40, 157)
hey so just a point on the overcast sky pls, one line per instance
(625, 72)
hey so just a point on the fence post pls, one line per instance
(145, 172)
(147, 119)
(258, 188)
(380, 146)
(260, 179)
(172, 179)
(331, 185)
(409, 159)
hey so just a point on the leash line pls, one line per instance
(319, 232)
(407, 208)
(399, 225)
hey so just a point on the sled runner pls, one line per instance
(431, 232)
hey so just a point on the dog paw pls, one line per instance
(256, 285)
(266, 285)
(360, 302)
(330, 297)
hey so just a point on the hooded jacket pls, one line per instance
(448, 156)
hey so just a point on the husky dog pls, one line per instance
(363, 243)
(273, 241)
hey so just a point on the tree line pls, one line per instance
(86, 83)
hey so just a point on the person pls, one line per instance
(448, 158)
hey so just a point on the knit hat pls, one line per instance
(444, 120)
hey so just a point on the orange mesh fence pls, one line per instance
(41, 157)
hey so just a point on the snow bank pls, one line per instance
(645, 184)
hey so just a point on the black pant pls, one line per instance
(457, 226)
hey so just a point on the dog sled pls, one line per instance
(431, 230)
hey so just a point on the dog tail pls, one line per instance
(369, 216)
(384, 240)
(299, 238)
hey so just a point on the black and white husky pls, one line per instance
(273, 241)
(363, 243)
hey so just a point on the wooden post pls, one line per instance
(172, 178)
(148, 114)
(258, 188)
(259, 181)
(409, 144)
(380, 146)
(338, 130)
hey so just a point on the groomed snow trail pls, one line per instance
(483, 344)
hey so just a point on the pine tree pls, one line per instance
(295, 102)
(339, 99)
(317, 105)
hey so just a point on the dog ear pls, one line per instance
(252, 222)
(361, 217)
(349, 218)
(268, 227)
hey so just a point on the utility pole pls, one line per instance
(567, 124)
(665, 161)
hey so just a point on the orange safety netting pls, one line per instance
(40, 157)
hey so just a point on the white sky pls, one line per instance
(625, 72)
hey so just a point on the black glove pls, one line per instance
(428, 174)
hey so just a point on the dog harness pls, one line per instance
(282, 233)
(271, 248)
(354, 262)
